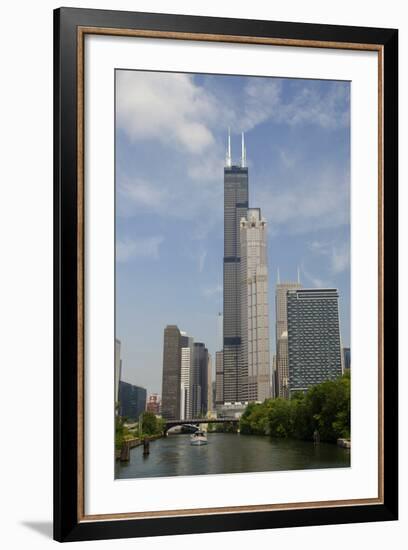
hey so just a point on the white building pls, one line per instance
(254, 361)
(231, 410)
(187, 356)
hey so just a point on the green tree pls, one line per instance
(324, 407)
(329, 408)
(254, 420)
(121, 431)
(280, 418)
(149, 423)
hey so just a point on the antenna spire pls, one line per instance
(278, 276)
(243, 151)
(228, 153)
(298, 274)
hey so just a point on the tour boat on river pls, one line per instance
(198, 438)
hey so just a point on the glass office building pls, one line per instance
(314, 349)
(235, 208)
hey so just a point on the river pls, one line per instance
(229, 453)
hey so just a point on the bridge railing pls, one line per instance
(180, 422)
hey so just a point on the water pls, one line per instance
(229, 453)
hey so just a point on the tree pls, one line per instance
(149, 423)
(280, 418)
(324, 407)
(254, 419)
(329, 405)
(121, 432)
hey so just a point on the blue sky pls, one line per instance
(170, 149)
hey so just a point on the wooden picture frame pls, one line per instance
(70, 27)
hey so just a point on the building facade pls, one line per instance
(255, 379)
(283, 362)
(132, 400)
(186, 381)
(118, 371)
(171, 376)
(153, 404)
(232, 410)
(187, 358)
(235, 208)
(209, 384)
(274, 384)
(219, 379)
(314, 349)
(199, 389)
(346, 359)
(282, 372)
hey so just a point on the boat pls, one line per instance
(198, 438)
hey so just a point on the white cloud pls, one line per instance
(174, 110)
(201, 260)
(167, 107)
(129, 249)
(142, 192)
(177, 198)
(207, 168)
(338, 255)
(319, 247)
(287, 159)
(307, 105)
(210, 291)
(262, 101)
(318, 201)
(317, 282)
(340, 258)
(312, 106)
(197, 254)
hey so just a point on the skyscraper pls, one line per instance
(187, 358)
(346, 359)
(209, 384)
(171, 379)
(283, 362)
(282, 373)
(313, 337)
(235, 208)
(274, 378)
(185, 376)
(255, 380)
(132, 400)
(219, 379)
(199, 388)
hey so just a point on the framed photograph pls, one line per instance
(225, 274)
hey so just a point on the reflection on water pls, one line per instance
(229, 453)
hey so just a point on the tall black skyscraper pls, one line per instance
(199, 388)
(235, 208)
(171, 383)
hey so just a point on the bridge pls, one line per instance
(195, 421)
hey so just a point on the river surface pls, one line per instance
(229, 453)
